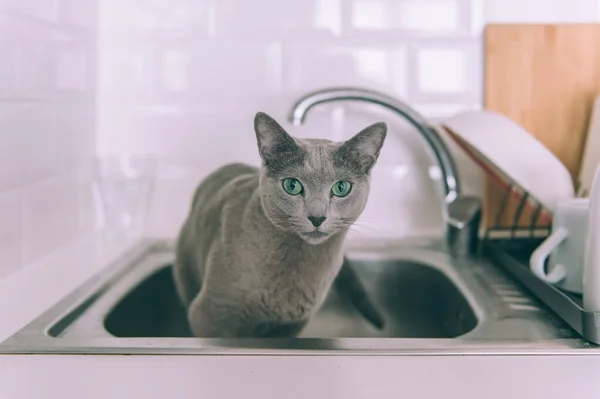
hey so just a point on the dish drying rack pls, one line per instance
(510, 247)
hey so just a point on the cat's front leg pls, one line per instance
(210, 319)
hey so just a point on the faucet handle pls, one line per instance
(463, 216)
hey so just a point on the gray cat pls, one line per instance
(261, 248)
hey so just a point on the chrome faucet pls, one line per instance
(461, 213)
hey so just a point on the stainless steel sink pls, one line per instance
(416, 300)
(432, 303)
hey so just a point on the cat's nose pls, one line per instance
(317, 220)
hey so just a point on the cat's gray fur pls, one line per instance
(249, 263)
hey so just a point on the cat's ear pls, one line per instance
(363, 149)
(273, 140)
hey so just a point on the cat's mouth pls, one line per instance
(315, 235)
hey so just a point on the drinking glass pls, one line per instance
(123, 185)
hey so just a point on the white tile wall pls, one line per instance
(187, 93)
(183, 82)
(309, 66)
(447, 71)
(542, 11)
(47, 125)
(418, 17)
(51, 216)
(268, 18)
(11, 227)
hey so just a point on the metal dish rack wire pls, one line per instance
(511, 245)
(514, 230)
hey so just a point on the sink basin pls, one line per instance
(433, 303)
(416, 300)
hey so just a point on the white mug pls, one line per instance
(591, 271)
(565, 247)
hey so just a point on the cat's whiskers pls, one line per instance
(367, 223)
(354, 228)
(355, 234)
(348, 230)
(366, 226)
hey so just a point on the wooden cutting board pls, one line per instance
(544, 77)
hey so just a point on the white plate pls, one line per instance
(513, 154)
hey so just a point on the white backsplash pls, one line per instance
(47, 125)
(182, 79)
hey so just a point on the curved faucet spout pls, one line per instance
(450, 179)
(461, 213)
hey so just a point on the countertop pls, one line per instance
(26, 294)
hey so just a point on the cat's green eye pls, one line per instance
(292, 186)
(341, 188)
